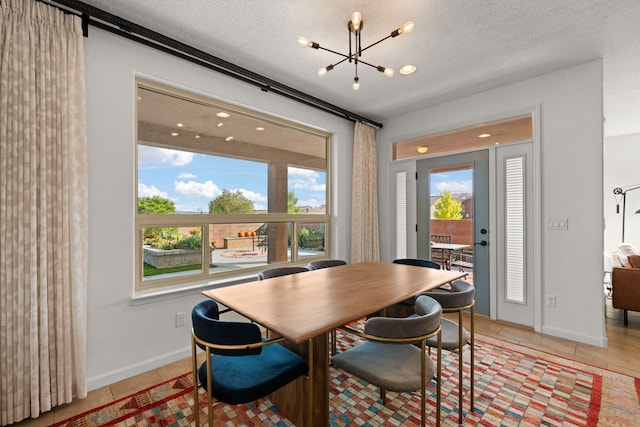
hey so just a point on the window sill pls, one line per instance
(163, 294)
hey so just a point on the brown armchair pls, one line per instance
(625, 280)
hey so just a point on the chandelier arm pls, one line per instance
(360, 61)
(333, 51)
(373, 44)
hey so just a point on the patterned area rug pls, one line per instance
(515, 386)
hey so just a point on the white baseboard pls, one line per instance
(570, 335)
(125, 372)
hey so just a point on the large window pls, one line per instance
(223, 191)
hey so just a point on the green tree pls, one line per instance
(231, 202)
(155, 205)
(447, 208)
(292, 202)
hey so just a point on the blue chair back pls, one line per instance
(208, 327)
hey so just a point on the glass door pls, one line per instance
(453, 217)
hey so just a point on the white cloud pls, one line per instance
(253, 196)
(150, 191)
(305, 179)
(314, 203)
(206, 189)
(155, 155)
(186, 175)
(455, 186)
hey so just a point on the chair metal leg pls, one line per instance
(383, 396)
(423, 383)
(472, 357)
(334, 346)
(439, 380)
(460, 366)
(194, 360)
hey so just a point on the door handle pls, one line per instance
(482, 243)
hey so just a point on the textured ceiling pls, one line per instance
(460, 47)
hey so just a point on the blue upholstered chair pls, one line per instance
(457, 299)
(280, 271)
(325, 263)
(240, 366)
(389, 359)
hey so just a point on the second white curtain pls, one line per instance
(364, 195)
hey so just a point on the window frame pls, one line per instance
(204, 220)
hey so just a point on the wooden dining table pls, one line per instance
(305, 307)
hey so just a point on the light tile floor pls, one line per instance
(621, 356)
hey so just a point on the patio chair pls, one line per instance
(440, 255)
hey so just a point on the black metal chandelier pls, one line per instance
(355, 26)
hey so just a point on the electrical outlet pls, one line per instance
(180, 319)
(551, 301)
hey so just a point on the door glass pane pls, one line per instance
(514, 225)
(451, 225)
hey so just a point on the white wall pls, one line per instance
(126, 338)
(621, 169)
(571, 165)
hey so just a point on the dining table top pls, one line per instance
(304, 305)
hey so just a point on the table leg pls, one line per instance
(292, 399)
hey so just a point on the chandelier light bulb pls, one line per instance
(388, 72)
(356, 20)
(324, 70)
(356, 83)
(407, 27)
(303, 42)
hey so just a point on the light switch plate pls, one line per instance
(558, 223)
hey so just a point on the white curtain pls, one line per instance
(364, 195)
(43, 210)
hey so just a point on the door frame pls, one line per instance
(409, 166)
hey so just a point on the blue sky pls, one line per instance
(460, 181)
(192, 180)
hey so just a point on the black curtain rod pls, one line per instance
(122, 27)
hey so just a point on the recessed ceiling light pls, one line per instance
(229, 138)
(197, 137)
(259, 128)
(180, 125)
(484, 135)
(220, 124)
(422, 149)
(407, 69)
(174, 134)
(222, 114)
